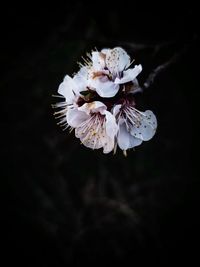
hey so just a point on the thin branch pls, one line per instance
(152, 76)
(140, 46)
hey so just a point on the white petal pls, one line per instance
(98, 61)
(129, 75)
(117, 60)
(147, 128)
(151, 118)
(88, 139)
(105, 88)
(92, 134)
(95, 106)
(134, 141)
(125, 139)
(81, 80)
(76, 117)
(116, 109)
(105, 50)
(111, 125)
(66, 89)
(135, 87)
(108, 145)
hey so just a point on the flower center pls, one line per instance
(92, 131)
(131, 116)
(102, 75)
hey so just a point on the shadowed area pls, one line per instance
(65, 204)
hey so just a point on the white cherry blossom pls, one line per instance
(99, 103)
(134, 126)
(110, 70)
(70, 89)
(94, 125)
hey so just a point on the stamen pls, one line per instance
(66, 127)
(62, 111)
(94, 130)
(130, 64)
(60, 96)
(115, 147)
(60, 105)
(87, 61)
(89, 56)
(130, 117)
(125, 153)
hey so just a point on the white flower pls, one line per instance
(94, 125)
(70, 89)
(99, 103)
(134, 126)
(109, 70)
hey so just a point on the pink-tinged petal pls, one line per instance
(129, 75)
(66, 89)
(76, 117)
(111, 125)
(93, 107)
(88, 139)
(105, 88)
(117, 60)
(146, 127)
(92, 133)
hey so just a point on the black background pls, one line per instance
(63, 204)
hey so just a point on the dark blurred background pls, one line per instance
(63, 204)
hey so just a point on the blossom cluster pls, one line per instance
(100, 104)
